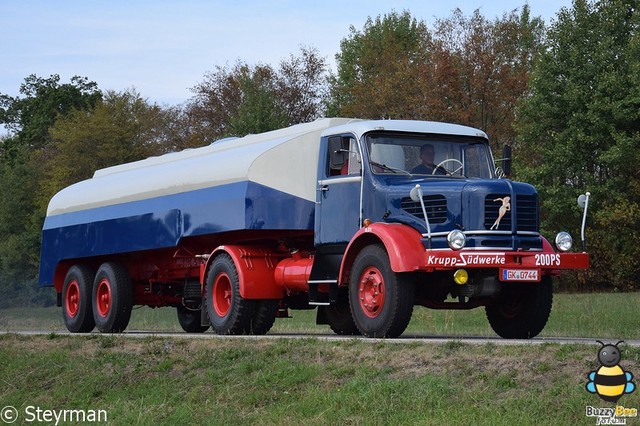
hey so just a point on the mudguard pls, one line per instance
(402, 243)
(255, 266)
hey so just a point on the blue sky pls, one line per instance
(163, 48)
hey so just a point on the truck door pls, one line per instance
(338, 199)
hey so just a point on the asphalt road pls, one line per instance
(332, 337)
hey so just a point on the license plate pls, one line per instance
(519, 275)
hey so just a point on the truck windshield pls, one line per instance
(429, 155)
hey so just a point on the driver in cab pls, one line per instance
(427, 154)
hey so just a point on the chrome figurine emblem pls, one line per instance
(504, 208)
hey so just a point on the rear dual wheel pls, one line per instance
(338, 316)
(76, 299)
(112, 298)
(103, 299)
(190, 320)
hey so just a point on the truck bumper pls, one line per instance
(513, 266)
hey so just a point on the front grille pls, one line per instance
(436, 206)
(526, 208)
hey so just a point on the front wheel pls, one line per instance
(381, 300)
(522, 310)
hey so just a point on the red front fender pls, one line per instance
(402, 242)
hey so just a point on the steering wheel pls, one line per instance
(448, 172)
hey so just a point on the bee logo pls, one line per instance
(610, 381)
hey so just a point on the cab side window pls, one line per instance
(343, 156)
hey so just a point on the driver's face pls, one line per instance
(427, 156)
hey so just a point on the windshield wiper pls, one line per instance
(391, 169)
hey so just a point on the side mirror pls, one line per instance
(583, 202)
(506, 160)
(338, 152)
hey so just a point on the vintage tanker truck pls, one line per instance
(362, 220)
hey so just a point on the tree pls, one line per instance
(381, 69)
(123, 127)
(19, 234)
(469, 70)
(43, 101)
(236, 101)
(258, 110)
(480, 70)
(579, 129)
(252, 99)
(28, 119)
(301, 85)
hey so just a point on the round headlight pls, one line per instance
(456, 239)
(564, 241)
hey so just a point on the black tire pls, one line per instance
(228, 312)
(338, 316)
(264, 315)
(112, 298)
(190, 320)
(372, 277)
(76, 299)
(522, 310)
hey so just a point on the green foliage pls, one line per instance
(381, 68)
(468, 70)
(258, 110)
(28, 119)
(580, 130)
(121, 128)
(19, 231)
(44, 99)
(247, 98)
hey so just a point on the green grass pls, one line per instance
(309, 381)
(597, 315)
(159, 381)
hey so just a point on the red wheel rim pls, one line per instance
(103, 297)
(371, 292)
(72, 298)
(222, 294)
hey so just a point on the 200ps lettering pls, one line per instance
(545, 259)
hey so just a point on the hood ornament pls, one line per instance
(504, 208)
